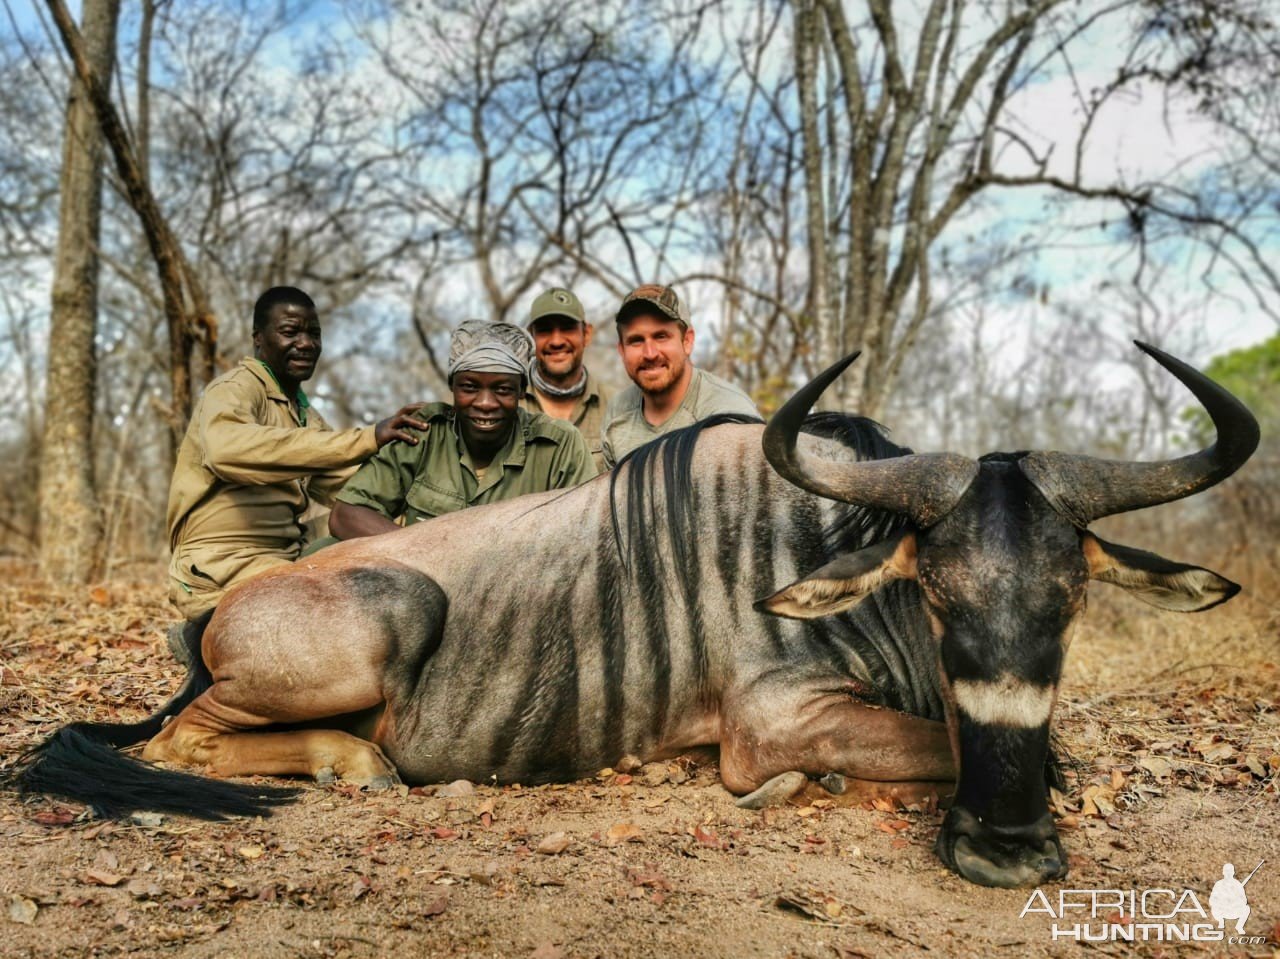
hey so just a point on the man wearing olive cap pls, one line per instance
(480, 449)
(655, 342)
(560, 385)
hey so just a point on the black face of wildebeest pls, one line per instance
(1001, 554)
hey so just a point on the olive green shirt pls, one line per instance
(246, 476)
(437, 476)
(625, 427)
(587, 415)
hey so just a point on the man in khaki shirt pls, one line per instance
(256, 456)
(559, 385)
(655, 343)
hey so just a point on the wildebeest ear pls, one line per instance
(845, 581)
(1154, 579)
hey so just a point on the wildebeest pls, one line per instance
(922, 635)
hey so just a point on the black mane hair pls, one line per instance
(672, 456)
(882, 631)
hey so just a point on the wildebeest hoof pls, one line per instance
(326, 775)
(833, 783)
(775, 792)
(382, 783)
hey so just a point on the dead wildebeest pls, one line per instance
(923, 632)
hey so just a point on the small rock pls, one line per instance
(456, 789)
(143, 889)
(148, 820)
(553, 844)
(628, 764)
(623, 832)
(23, 910)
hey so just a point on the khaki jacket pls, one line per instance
(247, 471)
(587, 416)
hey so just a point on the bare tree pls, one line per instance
(911, 122)
(186, 306)
(70, 524)
(538, 145)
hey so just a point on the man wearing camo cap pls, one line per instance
(655, 342)
(480, 449)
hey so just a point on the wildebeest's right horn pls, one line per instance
(924, 486)
(1084, 489)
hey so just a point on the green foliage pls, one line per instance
(1253, 375)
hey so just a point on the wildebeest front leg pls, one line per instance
(776, 727)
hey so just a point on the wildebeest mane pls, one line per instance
(883, 631)
(857, 526)
(671, 455)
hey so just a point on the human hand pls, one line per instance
(394, 427)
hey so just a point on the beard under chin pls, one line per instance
(657, 379)
(557, 368)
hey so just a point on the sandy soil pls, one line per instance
(1172, 724)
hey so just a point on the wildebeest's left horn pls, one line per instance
(1083, 489)
(923, 486)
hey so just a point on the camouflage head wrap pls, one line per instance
(479, 346)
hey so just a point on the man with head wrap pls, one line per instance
(482, 448)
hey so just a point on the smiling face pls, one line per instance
(655, 352)
(289, 343)
(486, 407)
(559, 342)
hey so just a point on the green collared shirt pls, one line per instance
(437, 476)
(303, 403)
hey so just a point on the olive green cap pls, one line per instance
(556, 301)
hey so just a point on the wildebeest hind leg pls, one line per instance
(324, 754)
(203, 735)
(770, 731)
(306, 649)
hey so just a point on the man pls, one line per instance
(655, 342)
(560, 385)
(481, 449)
(255, 457)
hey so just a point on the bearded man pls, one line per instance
(655, 342)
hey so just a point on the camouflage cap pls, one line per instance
(556, 301)
(479, 346)
(660, 298)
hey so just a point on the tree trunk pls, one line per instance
(70, 524)
(818, 303)
(178, 281)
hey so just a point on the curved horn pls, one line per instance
(1083, 489)
(923, 486)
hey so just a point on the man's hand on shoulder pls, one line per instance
(395, 427)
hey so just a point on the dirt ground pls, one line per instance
(1172, 725)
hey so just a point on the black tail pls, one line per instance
(81, 762)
